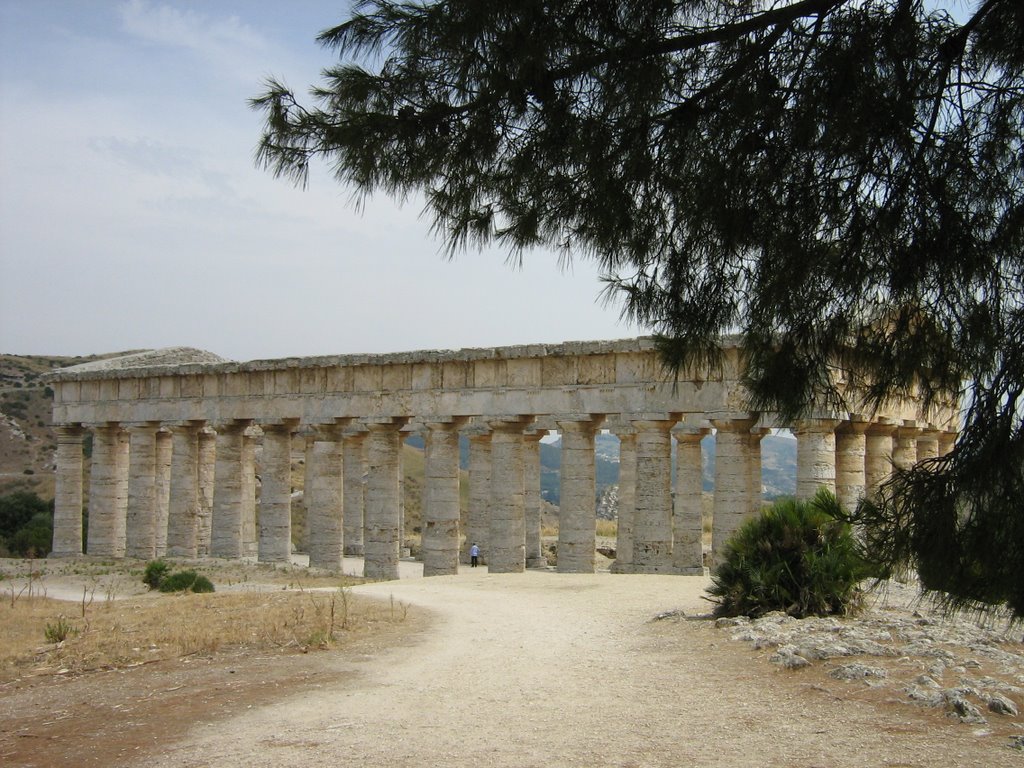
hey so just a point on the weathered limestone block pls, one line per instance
(577, 517)
(182, 520)
(851, 463)
(627, 499)
(440, 529)
(732, 504)
(382, 514)
(904, 445)
(67, 506)
(250, 534)
(878, 443)
(206, 466)
(164, 450)
(652, 515)
(928, 444)
(108, 491)
(687, 545)
(477, 519)
(506, 544)
(324, 497)
(226, 526)
(354, 461)
(140, 528)
(275, 509)
(532, 499)
(815, 456)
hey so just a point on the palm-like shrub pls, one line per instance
(799, 557)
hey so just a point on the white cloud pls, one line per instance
(171, 26)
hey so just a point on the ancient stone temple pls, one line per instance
(175, 434)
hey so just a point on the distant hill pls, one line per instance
(27, 439)
(778, 465)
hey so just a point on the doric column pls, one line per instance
(506, 541)
(877, 455)
(403, 550)
(627, 499)
(67, 505)
(947, 440)
(182, 520)
(478, 517)
(815, 456)
(904, 445)
(163, 489)
(440, 523)
(140, 528)
(354, 487)
(382, 515)
(577, 514)
(687, 539)
(206, 465)
(324, 497)
(928, 444)
(756, 481)
(228, 504)
(108, 491)
(851, 463)
(531, 499)
(732, 503)
(250, 535)
(652, 511)
(275, 517)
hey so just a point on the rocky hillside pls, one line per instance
(27, 441)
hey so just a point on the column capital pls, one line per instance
(683, 432)
(445, 422)
(279, 425)
(191, 424)
(881, 427)
(909, 429)
(580, 423)
(856, 426)
(724, 421)
(69, 431)
(385, 423)
(232, 424)
(512, 423)
(816, 424)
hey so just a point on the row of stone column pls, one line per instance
(184, 491)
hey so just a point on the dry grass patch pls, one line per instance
(39, 635)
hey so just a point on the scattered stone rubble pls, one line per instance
(973, 670)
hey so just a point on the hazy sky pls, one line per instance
(132, 215)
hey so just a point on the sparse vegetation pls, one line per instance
(107, 632)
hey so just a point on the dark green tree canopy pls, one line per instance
(840, 181)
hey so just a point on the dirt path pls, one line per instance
(543, 669)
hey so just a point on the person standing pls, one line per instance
(474, 555)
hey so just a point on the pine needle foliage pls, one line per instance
(839, 181)
(798, 557)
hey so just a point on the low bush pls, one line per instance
(156, 571)
(186, 581)
(798, 557)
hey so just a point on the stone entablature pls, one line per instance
(608, 377)
(174, 434)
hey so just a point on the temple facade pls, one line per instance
(175, 435)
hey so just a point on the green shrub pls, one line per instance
(796, 557)
(59, 631)
(182, 581)
(156, 571)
